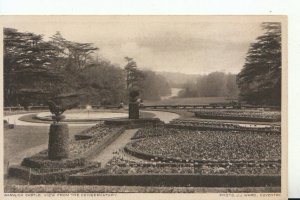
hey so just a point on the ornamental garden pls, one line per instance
(185, 152)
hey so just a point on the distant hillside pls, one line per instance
(177, 79)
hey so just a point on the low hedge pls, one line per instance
(36, 177)
(44, 162)
(177, 180)
(133, 123)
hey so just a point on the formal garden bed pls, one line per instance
(218, 125)
(243, 115)
(120, 171)
(151, 131)
(216, 146)
(125, 166)
(163, 156)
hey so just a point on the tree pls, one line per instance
(104, 83)
(73, 58)
(190, 89)
(232, 89)
(215, 84)
(134, 76)
(154, 86)
(77, 55)
(260, 79)
(212, 85)
(150, 85)
(30, 70)
(134, 79)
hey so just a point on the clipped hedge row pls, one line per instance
(178, 180)
(41, 160)
(35, 177)
(133, 123)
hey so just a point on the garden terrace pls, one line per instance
(244, 115)
(206, 146)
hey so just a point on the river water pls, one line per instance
(174, 93)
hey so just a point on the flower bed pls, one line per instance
(261, 116)
(150, 132)
(123, 166)
(215, 125)
(209, 145)
(98, 139)
(90, 132)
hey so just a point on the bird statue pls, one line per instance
(58, 110)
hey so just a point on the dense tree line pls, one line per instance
(30, 68)
(154, 86)
(216, 84)
(36, 70)
(260, 79)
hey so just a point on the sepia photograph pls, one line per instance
(145, 104)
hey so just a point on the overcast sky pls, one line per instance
(192, 45)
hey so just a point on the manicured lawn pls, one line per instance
(188, 101)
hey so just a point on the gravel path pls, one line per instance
(14, 119)
(107, 154)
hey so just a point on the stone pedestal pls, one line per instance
(134, 112)
(58, 146)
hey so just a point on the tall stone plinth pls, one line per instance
(134, 112)
(58, 146)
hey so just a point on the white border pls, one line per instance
(193, 7)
